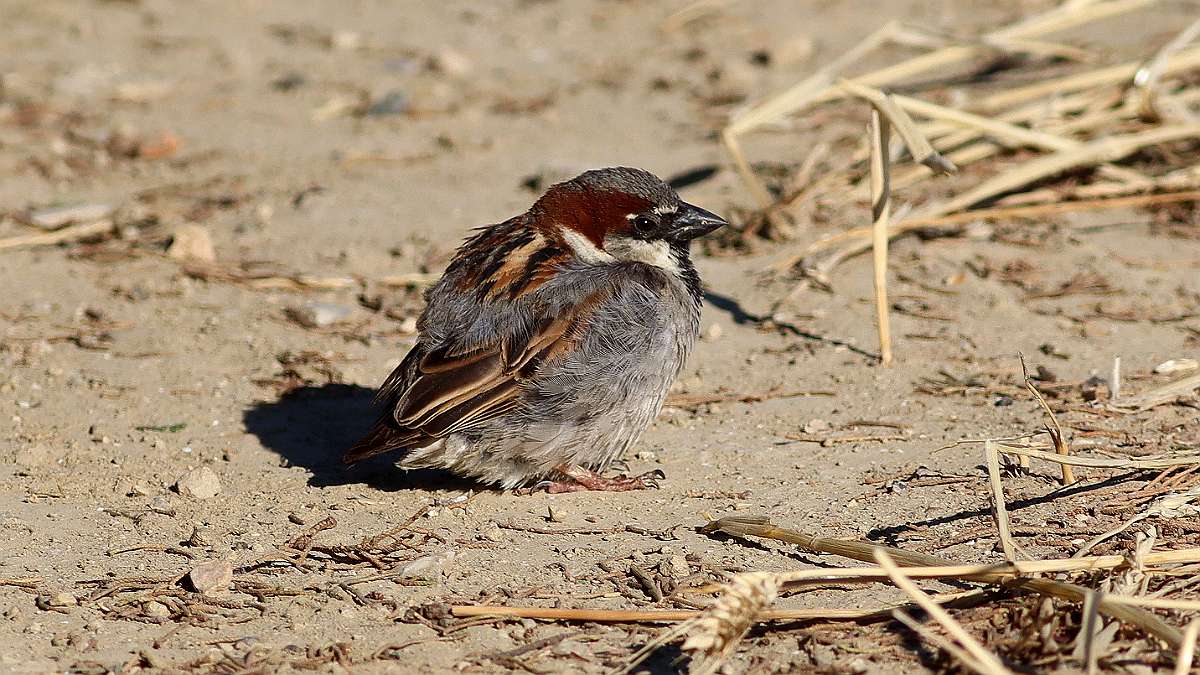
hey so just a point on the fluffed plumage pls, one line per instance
(552, 339)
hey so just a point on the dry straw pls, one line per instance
(715, 634)
(980, 659)
(1090, 119)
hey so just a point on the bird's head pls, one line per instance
(623, 215)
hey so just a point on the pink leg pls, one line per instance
(584, 480)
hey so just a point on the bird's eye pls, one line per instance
(644, 224)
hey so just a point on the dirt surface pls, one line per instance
(362, 140)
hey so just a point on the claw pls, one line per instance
(580, 480)
(546, 485)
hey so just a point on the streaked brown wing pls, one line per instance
(433, 394)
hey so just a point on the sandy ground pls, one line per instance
(362, 139)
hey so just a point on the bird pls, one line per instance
(551, 340)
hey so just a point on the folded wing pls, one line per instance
(438, 392)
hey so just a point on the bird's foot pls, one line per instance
(580, 479)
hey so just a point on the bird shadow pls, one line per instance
(740, 316)
(311, 426)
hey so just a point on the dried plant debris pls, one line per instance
(1075, 140)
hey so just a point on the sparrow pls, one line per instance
(551, 340)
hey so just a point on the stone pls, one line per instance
(394, 102)
(209, 577)
(319, 314)
(63, 599)
(1176, 366)
(429, 566)
(156, 609)
(201, 483)
(192, 242)
(453, 62)
(816, 426)
(494, 533)
(61, 216)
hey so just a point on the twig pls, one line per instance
(819, 87)
(986, 662)
(880, 212)
(692, 400)
(834, 440)
(1100, 463)
(1107, 148)
(646, 582)
(1182, 61)
(1104, 149)
(1054, 428)
(1147, 77)
(995, 214)
(152, 547)
(924, 631)
(1166, 393)
(25, 582)
(1091, 626)
(865, 551)
(634, 529)
(918, 146)
(1187, 650)
(66, 234)
(647, 615)
(1002, 525)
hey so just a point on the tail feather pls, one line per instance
(382, 438)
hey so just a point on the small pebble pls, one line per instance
(346, 40)
(319, 314)
(429, 566)
(211, 577)
(494, 533)
(816, 426)
(393, 103)
(197, 538)
(453, 62)
(156, 609)
(192, 242)
(1176, 366)
(58, 217)
(63, 599)
(201, 483)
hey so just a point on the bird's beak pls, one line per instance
(692, 221)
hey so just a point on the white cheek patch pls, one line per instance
(656, 253)
(584, 248)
